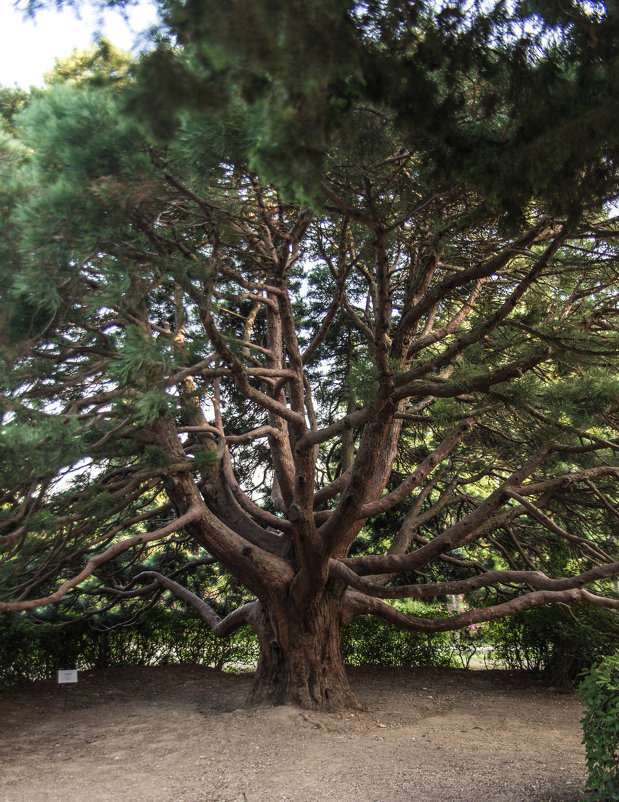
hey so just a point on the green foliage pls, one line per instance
(98, 65)
(205, 461)
(363, 380)
(556, 641)
(233, 62)
(541, 112)
(155, 456)
(88, 167)
(371, 641)
(12, 101)
(152, 405)
(599, 692)
(21, 444)
(163, 636)
(578, 397)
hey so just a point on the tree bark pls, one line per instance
(300, 659)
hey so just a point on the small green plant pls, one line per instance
(599, 692)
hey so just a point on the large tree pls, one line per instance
(337, 306)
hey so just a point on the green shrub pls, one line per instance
(599, 692)
(561, 643)
(544, 639)
(370, 641)
(31, 651)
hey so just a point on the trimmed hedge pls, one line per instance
(370, 641)
(165, 636)
(547, 640)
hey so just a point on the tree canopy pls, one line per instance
(324, 295)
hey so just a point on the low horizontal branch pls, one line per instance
(358, 604)
(192, 514)
(532, 579)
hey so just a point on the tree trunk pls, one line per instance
(301, 661)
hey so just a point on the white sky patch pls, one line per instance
(29, 47)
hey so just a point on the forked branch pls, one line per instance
(219, 626)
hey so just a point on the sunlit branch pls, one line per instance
(505, 309)
(482, 383)
(458, 533)
(482, 270)
(536, 513)
(264, 516)
(430, 337)
(240, 376)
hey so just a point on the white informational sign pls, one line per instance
(67, 676)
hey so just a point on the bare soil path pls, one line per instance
(181, 734)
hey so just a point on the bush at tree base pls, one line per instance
(369, 642)
(599, 692)
(548, 640)
(165, 636)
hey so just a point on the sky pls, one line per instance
(29, 48)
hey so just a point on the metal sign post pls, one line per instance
(67, 677)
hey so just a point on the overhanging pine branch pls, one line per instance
(532, 579)
(192, 514)
(358, 604)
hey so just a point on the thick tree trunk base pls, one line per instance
(302, 665)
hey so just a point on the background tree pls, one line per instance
(103, 64)
(380, 288)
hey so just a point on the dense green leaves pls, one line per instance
(599, 692)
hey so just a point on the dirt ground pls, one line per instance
(181, 734)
